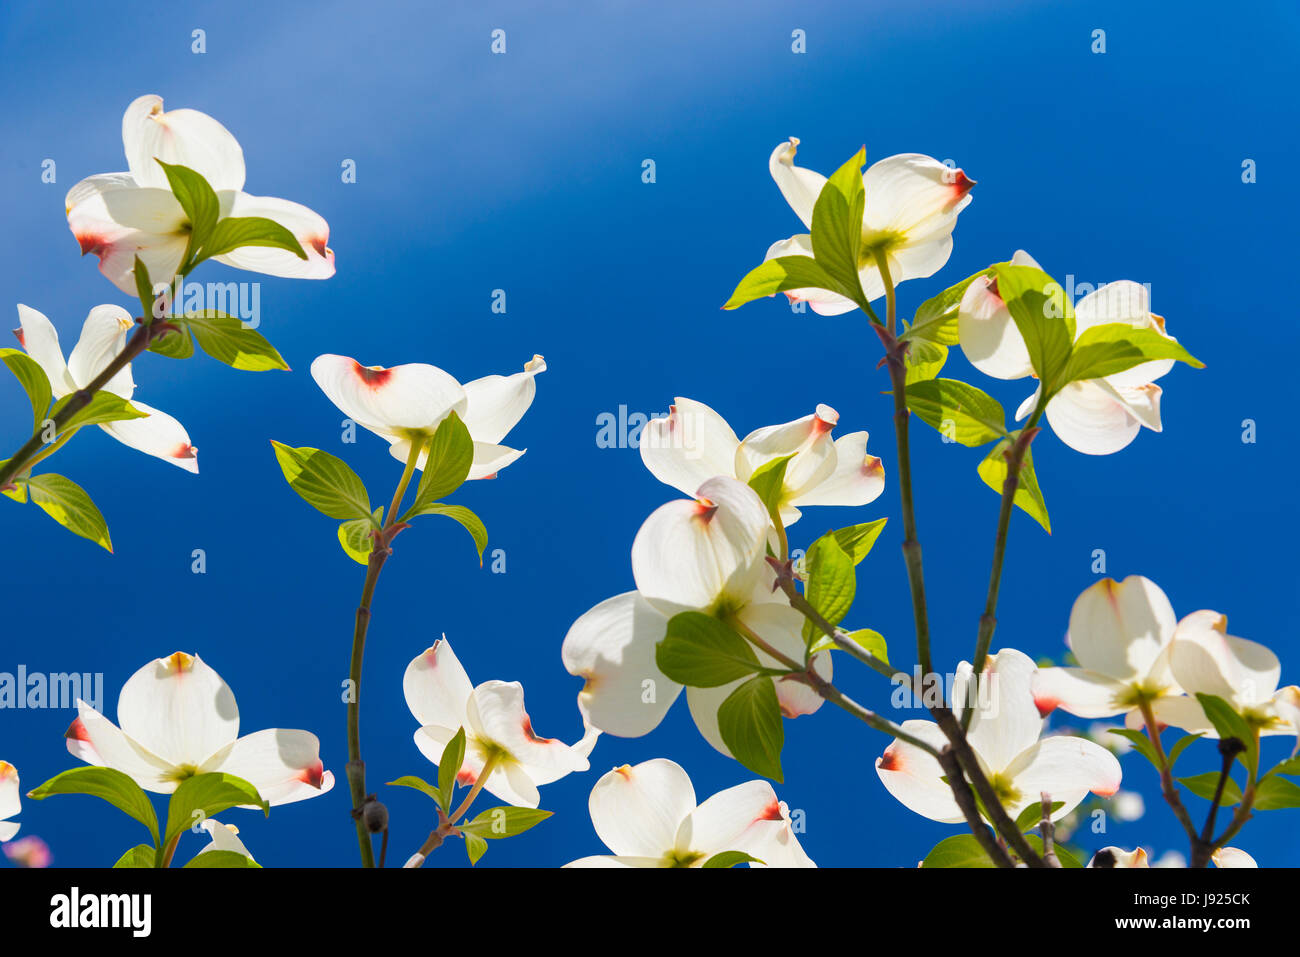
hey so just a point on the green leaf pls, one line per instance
(459, 513)
(1032, 816)
(768, 482)
(1029, 497)
(832, 582)
(1289, 766)
(936, 319)
(1274, 794)
(419, 784)
(142, 855)
(221, 859)
(730, 859)
(837, 226)
(109, 785)
(1180, 746)
(783, 274)
(499, 822)
(1203, 786)
(357, 536)
(700, 651)
(16, 490)
(68, 504)
(102, 407)
(325, 482)
(208, 794)
(858, 540)
(923, 361)
(475, 847)
(1044, 317)
(1115, 347)
(197, 199)
(1067, 859)
(453, 756)
(238, 232)
(174, 343)
(1229, 724)
(870, 641)
(960, 412)
(228, 340)
(447, 463)
(144, 289)
(960, 850)
(750, 724)
(32, 378)
(1141, 744)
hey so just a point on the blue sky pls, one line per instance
(522, 172)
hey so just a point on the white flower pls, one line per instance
(1205, 659)
(1094, 416)
(103, 337)
(648, 817)
(497, 729)
(179, 719)
(118, 216)
(912, 202)
(693, 443)
(10, 803)
(1232, 857)
(1120, 632)
(1118, 857)
(407, 402)
(1004, 733)
(704, 555)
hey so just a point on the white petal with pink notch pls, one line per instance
(10, 802)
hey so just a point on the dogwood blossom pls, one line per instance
(704, 555)
(648, 817)
(1118, 857)
(103, 337)
(1005, 734)
(1205, 659)
(119, 216)
(407, 402)
(912, 202)
(497, 729)
(1094, 416)
(1120, 633)
(178, 719)
(10, 803)
(693, 443)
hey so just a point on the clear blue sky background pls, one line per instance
(523, 172)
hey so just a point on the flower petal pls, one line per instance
(1118, 857)
(179, 709)
(310, 229)
(224, 838)
(37, 335)
(179, 137)
(725, 821)
(400, 402)
(689, 446)
(858, 478)
(988, 335)
(496, 403)
(103, 337)
(799, 186)
(11, 804)
(1232, 857)
(1065, 767)
(1087, 694)
(1119, 629)
(1092, 419)
(808, 440)
(436, 687)
(637, 810)
(915, 778)
(913, 200)
(605, 860)
(284, 765)
(496, 712)
(156, 434)
(823, 301)
(96, 740)
(612, 647)
(689, 554)
(1207, 660)
(1129, 303)
(1007, 721)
